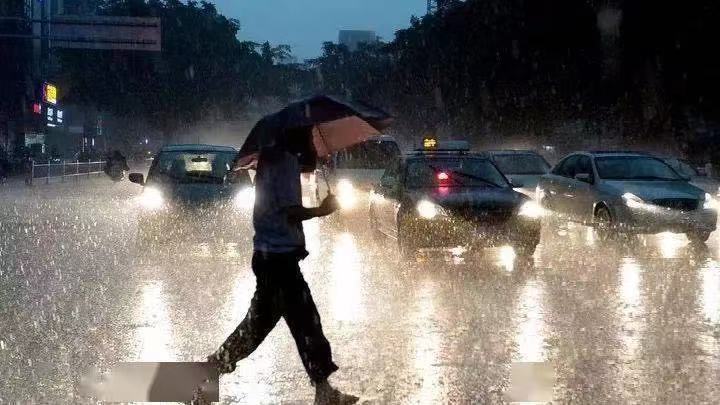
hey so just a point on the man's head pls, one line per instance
(299, 142)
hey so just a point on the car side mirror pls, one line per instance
(137, 178)
(584, 177)
(516, 184)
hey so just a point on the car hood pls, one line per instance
(476, 198)
(197, 193)
(653, 190)
(529, 182)
(706, 184)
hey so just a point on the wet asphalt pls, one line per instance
(636, 321)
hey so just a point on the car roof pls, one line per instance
(444, 154)
(618, 153)
(510, 152)
(197, 148)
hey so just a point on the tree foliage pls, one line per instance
(203, 70)
(482, 68)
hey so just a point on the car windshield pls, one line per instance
(521, 164)
(453, 172)
(634, 168)
(368, 155)
(682, 167)
(191, 167)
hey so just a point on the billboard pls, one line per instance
(50, 93)
(103, 32)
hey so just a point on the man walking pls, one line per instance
(279, 244)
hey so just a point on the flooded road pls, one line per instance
(631, 322)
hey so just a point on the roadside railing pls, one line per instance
(64, 170)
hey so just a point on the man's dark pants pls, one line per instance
(281, 291)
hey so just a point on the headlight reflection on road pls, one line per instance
(530, 338)
(153, 335)
(506, 258)
(426, 344)
(346, 281)
(711, 292)
(629, 295)
(346, 194)
(245, 199)
(670, 244)
(151, 199)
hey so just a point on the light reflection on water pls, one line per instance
(346, 284)
(630, 310)
(671, 244)
(154, 335)
(506, 258)
(530, 338)
(426, 353)
(710, 295)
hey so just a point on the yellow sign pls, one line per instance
(429, 143)
(50, 92)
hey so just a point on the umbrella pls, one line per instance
(335, 124)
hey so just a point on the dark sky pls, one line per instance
(306, 24)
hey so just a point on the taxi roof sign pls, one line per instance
(429, 143)
(433, 145)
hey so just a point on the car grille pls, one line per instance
(486, 216)
(682, 204)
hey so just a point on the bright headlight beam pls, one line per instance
(710, 203)
(427, 209)
(346, 194)
(245, 199)
(531, 209)
(151, 199)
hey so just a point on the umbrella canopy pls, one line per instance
(335, 124)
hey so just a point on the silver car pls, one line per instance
(627, 192)
(522, 167)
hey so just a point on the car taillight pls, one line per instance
(442, 176)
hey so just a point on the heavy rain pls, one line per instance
(426, 202)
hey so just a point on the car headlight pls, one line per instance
(346, 194)
(633, 201)
(245, 199)
(709, 203)
(429, 210)
(152, 199)
(531, 209)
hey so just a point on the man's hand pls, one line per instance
(329, 205)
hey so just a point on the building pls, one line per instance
(353, 38)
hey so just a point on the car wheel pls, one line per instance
(698, 236)
(603, 224)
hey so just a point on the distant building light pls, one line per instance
(146, 141)
(50, 93)
(37, 108)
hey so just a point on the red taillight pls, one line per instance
(442, 176)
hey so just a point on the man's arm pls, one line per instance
(299, 213)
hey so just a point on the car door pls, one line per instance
(558, 188)
(579, 194)
(387, 197)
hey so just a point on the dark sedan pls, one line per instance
(447, 200)
(190, 192)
